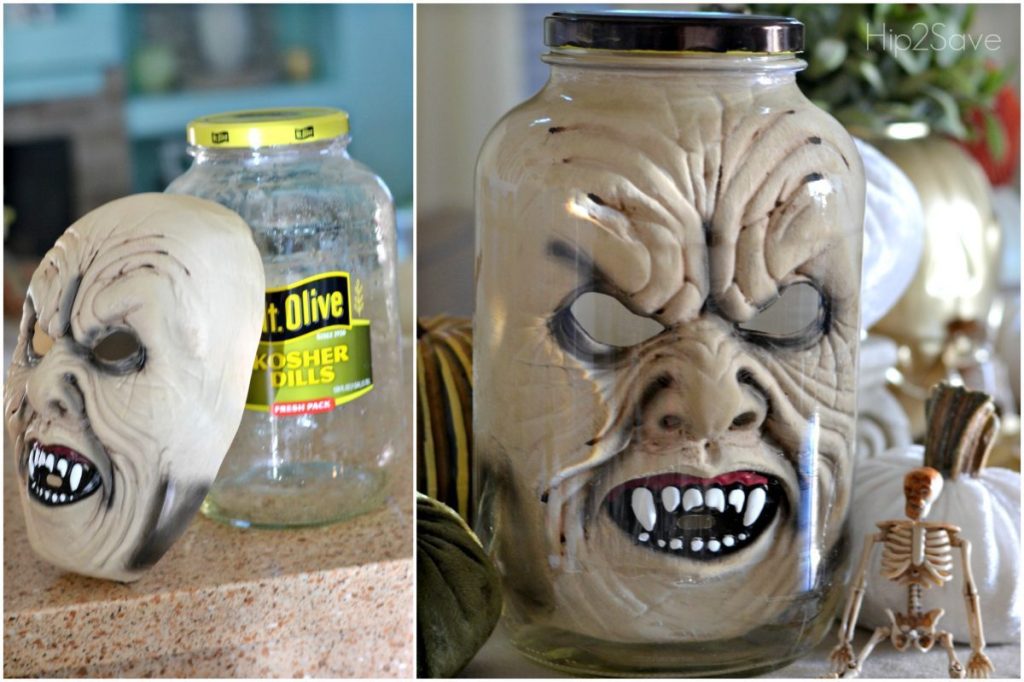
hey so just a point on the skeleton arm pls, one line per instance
(979, 664)
(842, 654)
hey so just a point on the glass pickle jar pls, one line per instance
(665, 348)
(320, 424)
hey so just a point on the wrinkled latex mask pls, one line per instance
(674, 435)
(128, 381)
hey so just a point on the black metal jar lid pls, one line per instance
(674, 31)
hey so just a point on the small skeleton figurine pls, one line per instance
(919, 554)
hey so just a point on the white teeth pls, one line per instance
(76, 476)
(63, 497)
(670, 498)
(754, 506)
(49, 462)
(715, 499)
(46, 494)
(643, 508)
(62, 466)
(748, 501)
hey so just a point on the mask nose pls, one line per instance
(52, 387)
(699, 396)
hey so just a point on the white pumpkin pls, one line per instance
(893, 234)
(986, 506)
(958, 273)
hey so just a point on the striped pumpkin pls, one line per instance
(444, 410)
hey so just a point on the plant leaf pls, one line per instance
(968, 18)
(908, 59)
(873, 76)
(949, 112)
(995, 137)
(945, 55)
(828, 56)
(991, 83)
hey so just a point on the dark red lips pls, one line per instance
(58, 475)
(746, 478)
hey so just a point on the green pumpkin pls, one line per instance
(444, 410)
(458, 592)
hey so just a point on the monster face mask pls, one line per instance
(665, 343)
(129, 377)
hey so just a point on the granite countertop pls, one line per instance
(332, 601)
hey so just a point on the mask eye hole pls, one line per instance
(598, 328)
(120, 351)
(607, 321)
(40, 344)
(797, 318)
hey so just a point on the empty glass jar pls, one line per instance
(665, 346)
(321, 424)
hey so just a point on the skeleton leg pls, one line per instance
(857, 664)
(978, 665)
(956, 671)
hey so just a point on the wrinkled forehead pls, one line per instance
(725, 198)
(113, 260)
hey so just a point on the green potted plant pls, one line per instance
(873, 66)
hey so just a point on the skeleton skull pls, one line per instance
(921, 487)
(129, 378)
(667, 363)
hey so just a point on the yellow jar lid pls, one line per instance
(267, 127)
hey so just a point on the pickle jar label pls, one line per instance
(314, 353)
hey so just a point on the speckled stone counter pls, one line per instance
(334, 601)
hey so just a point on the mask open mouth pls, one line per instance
(699, 518)
(58, 475)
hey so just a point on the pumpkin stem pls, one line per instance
(962, 428)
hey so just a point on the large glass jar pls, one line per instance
(665, 348)
(321, 424)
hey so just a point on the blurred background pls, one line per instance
(96, 99)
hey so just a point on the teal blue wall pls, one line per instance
(365, 67)
(64, 58)
(375, 59)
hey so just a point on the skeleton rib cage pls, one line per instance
(917, 553)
